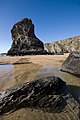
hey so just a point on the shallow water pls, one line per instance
(20, 73)
(6, 75)
(15, 74)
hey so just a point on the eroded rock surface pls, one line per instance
(24, 39)
(47, 93)
(63, 46)
(54, 48)
(72, 64)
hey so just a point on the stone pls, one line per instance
(47, 94)
(72, 64)
(24, 39)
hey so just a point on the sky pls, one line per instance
(53, 19)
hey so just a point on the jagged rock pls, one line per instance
(47, 93)
(53, 48)
(63, 46)
(24, 40)
(72, 64)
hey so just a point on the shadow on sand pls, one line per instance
(75, 92)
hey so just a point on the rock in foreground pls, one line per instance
(72, 64)
(24, 40)
(47, 93)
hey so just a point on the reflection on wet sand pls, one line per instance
(6, 76)
(24, 73)
(73, 83)
(15, 74)
(70, 79)
(46, 71)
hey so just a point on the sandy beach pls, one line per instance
(54, 60)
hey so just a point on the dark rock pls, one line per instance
(72, 64)
(3, 54)
(47, 93)
(24, 40)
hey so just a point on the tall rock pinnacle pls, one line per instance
(24, 39)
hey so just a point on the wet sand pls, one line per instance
(28, 114)
(20, 69)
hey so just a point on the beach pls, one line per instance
(20, 69)
(54, 60)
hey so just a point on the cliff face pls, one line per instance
(63, 46)
(24, 40)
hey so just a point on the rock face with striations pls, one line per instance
(47, 93)
(24, 39)
(63, 46)
(72, 64)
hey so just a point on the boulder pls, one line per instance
(72, 64)
(24, 39)
(46, 93)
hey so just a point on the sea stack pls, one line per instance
(24, 39)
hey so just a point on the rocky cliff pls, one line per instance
(63, 46)
(24, 39)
